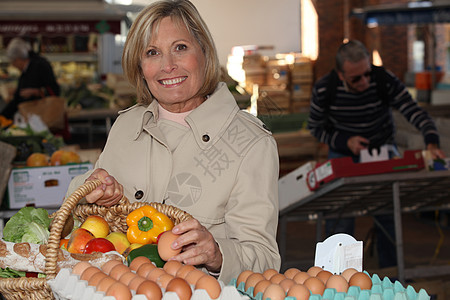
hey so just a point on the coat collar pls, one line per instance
(208, 121)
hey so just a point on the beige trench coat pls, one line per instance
(224, 172)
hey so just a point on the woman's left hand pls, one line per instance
(198, 244)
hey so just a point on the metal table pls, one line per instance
(395, 193)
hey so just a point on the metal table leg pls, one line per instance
(398, 231)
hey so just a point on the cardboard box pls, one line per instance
(42, 186)
(292, 187)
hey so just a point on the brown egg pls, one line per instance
(277, 278)
(134, 283)
(180, 287)
(184, 270)
(150, 289)
(260, 287)
(286, 284)
(172, 266)
(324, 275)
(127, 277)
(348, 273)
(163, 280)
(337, 282)
(193, 276)
(95, 279)
(299, 291)
(165, 241)
(154, 274)
(274, 292)
(362, 280)
(315, 285)
(145, 268)
(105, 283)
(120, 291)
(290, 273)
(88, 272)
(253, 279)
(80, 267)
(210, 284)
(243, 277)
(109, 265)
(300, 277)
(138, 261)
(269, 273)
(313, 271)
(118, 271)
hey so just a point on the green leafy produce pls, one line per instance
(29, 224)
(10, 273)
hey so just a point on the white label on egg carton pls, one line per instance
(339, 252)
(68, 286)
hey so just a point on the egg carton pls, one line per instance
(381, 290)
(68, 286)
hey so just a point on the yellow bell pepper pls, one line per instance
(145, 224)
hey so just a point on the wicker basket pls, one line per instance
(38, 288)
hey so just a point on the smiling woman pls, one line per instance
(186, 143)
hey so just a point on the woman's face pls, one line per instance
(173, 66)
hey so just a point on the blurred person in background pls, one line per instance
(37, 79)
(351, 110)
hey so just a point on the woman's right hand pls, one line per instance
(110, 192)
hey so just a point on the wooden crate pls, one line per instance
(8, 153)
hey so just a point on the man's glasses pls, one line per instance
(356, 79)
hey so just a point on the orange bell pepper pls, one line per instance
(145, 224)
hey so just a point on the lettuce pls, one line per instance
(29, 224)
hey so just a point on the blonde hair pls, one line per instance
(140, 35)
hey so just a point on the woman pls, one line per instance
(187, 144)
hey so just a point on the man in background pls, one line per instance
(351, 111)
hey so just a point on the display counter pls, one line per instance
(390, 193)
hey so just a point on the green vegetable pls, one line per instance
(29, 224)
(150, 251)
(10, 273)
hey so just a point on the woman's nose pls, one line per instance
(168, 63)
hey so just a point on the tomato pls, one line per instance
(99, 245)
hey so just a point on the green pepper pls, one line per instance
(150, 251)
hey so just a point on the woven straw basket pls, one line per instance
(38, 288)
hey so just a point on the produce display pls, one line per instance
(97, 263)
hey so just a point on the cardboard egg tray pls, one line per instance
(381, 290)
(68, 286)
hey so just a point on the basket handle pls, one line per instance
(58, 223)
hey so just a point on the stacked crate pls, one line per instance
(301, 84)
(284, 82)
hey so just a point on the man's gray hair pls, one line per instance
(18, 48)
(353, 51)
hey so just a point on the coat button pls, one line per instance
(139, 194)
(205, 138)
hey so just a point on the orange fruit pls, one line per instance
(37, 160)
(96, 225)
(69, 157)
(55, 159)
(63, 243)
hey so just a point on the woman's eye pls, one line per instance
(181, 47)
(152, 52)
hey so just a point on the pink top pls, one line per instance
(175, 117)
